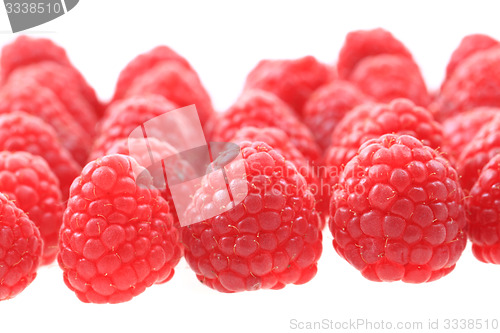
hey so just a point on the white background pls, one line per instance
(223, 41)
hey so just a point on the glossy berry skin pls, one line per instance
(27, 181)
(267, 241)
(178, 84)
(398, 212)
(262, 109)
(20, 131)
(293, 81)
(459, 130)
(361, 44)
(387, 77)
(123, 116)
(478, 152)
(117, 236)
(328, 105)
(20, 249)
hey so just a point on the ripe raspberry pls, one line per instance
(459, 130)
(469, 45)
(398, 212)
(258, 108)
(387, 77)
(20, 249)
(176, 83)
(26, 51)
(267, 241)
(478, 152)
(328, 105)
(117, 236)
(40, 101)
(279, 141)
(484, 231)
(20, 131)
(293, 81)
(142, 64)
(474, 82)
(366, 43)
(28, 181)
(64, 85)
(123, 116)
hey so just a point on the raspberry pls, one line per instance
(123, 116)
(469, 45)
(142, 64)
(258, 108)
(26, 51)
(293, 81)
(28, 181)
(64, 85)
(279, 141)
(484, 231)
(42, 102)
(20, 249)
(20, 131)
(327, 106)
(478, 152)
(387, 77)
(366, 43)
(459, 130)
(474, 82)
(176, 83)
(398, 212)
(117, 236)
(267, 241)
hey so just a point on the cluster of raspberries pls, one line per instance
(402, 177)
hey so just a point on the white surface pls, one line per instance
(223, 41)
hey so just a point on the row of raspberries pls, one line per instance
(401, 176)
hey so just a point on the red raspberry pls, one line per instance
(123, 116)
(42, 102)
(484, 221)
(478, 152)
(20, 249)
(387, 77)
(20, 131)
(279, 141)
(26, 51)
(258, 108)
(64, 85)
(469, 45)
(117, 236)
(267, 241)
(293, 81)
(142, 64)
(366, 43)
(176, 83)
(328, 105)
(474, 82)
(398, 212)
(28, 181)
(459, 130)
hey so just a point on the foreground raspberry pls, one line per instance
(117, 236)
(367, 43)
(20, 249)
(398, 212)
(484, 218)
(328, 105)
(28, 181)
(261, 109)
(459, 130)
(269, 240)
(20, 131)
(293, 81)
